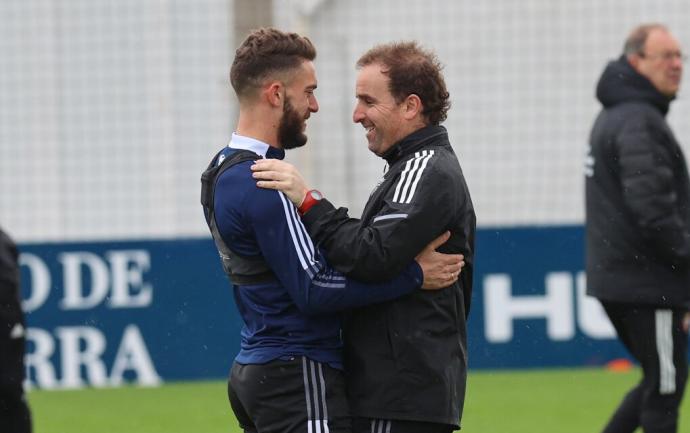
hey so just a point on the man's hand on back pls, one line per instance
(440, 270)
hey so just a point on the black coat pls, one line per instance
(405, 359)
(637, 196)
(9, 272)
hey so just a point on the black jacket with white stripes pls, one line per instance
(637, 196)
(405, 359)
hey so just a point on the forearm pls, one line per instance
(341, 293)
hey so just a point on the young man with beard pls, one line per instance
(288, 375)
(638, 225)
(405, 359)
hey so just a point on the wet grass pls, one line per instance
(554, 401)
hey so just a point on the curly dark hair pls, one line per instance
(412, 70)
(265, 53)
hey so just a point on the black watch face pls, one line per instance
(316, 195)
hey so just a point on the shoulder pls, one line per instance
(443, 163)
(419, 160)
(234, 182)
(431, 161)
(233, 167)
(236, 188)
(638, 117)
(431, 169)
(417, 165)
(8, 255)
(264, 206)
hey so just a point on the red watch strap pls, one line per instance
(308, 202)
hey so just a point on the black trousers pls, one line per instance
(656, 339)
(297, 395)
(369, 425)
(14, 411)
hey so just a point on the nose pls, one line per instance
(313, 104)
(677, 62)
(357, 114)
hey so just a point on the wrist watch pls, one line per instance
(310, 199)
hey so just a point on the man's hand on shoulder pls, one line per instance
(281, 176)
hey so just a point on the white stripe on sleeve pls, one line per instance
(419, 175)
(390, 217)
(409, 178)
(397, 189)
(303, 253)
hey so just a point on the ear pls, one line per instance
(412, 107)
(634, 60)
(274, 93)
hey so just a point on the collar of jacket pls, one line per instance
(257, 146)
(620, 82)
(415, 141)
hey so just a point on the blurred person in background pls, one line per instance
(638, 225)
(405, 359)
(14, 410)
(288, 374)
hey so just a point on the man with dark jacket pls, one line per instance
(405, 359)
(14, 411)
(638, 225)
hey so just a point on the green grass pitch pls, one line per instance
(554, 401)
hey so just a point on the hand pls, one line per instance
(440, 270)
(280, 175)
(686, 322)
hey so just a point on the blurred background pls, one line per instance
(110, 110)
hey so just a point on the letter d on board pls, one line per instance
(76, 295)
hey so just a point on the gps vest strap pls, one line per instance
(241, 270)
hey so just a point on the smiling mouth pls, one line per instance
(370, 132)
(674, 80)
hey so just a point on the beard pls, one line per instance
(290, 134)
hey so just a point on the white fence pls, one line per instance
(109, 110)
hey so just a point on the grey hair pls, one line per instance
(634, 44)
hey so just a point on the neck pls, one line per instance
(412, 127)
(253, 124)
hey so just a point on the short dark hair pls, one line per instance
(412, 70)
(267, 52)
(634, 44)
